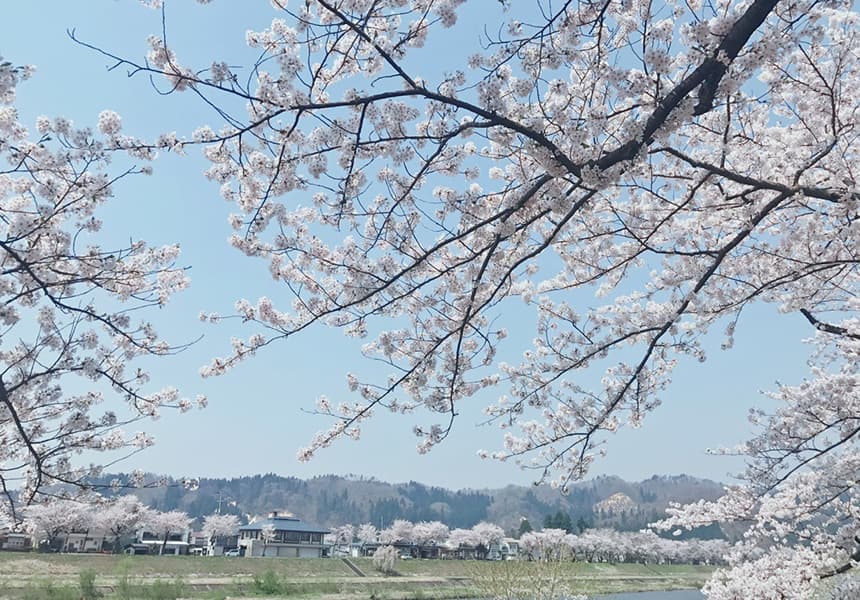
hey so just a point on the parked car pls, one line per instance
(233, 552)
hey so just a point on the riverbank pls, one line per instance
(73, 576)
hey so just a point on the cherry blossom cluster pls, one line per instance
(422, 533)
(385, 559)
(446, 196)
(799, 503)
(50, 521)
(69, 381)
(593, 545)
(609, 545)
(218, 525)
(636, 173)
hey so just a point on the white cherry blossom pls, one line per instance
(637, 173)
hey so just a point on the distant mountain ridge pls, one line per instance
(332, 500)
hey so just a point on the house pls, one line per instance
(198, 539)
(281, 535)
(72, 541)
(177, 543)
(15, 540)
(458, 551)
(136, 549)
(200, 544)
(509, 548)
(404, 549)
(83, 541)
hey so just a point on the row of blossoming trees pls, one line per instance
(112, 523)
(424, 533)
(608, 545)
(596, 545)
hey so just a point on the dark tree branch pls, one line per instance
(828, 327)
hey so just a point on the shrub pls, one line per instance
(46, 590)
(268, 584)
(87, 583)
(162, 590)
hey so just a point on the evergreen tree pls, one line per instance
(562, 521)
(582, 524)
(525, 527)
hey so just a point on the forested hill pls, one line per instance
(333, 500)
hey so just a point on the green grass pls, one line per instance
(12, 563)
(466, 568)
(107, 577)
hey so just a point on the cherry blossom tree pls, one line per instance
(367, 533)
(341, 536)
(50, 521)
(608, 545)
(122, 516)
(460, 537)
(600, 545)
(548, 544)
(847, 588)
(166, 524)
(429, 532)
(217, 525)
(69, 337)
(385, 559)
(488, 534)
(400, 531)
(678, 160)
(267, 534)
(480, 537)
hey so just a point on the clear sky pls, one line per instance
(257, 418)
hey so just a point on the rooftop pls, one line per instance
(284, 523)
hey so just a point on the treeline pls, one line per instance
(333, 500)
(325, 500)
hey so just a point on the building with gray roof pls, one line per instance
(282, 535)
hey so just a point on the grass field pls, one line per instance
(87, 577)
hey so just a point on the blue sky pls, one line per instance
(257, 415)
